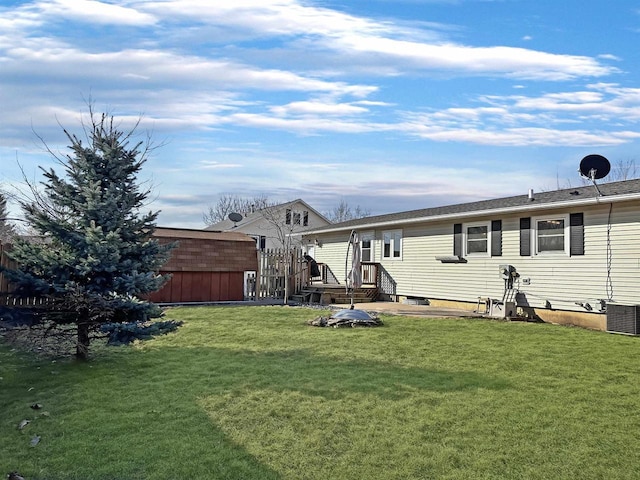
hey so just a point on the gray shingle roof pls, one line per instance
(227, 225)
(541, 200)
(169, 232)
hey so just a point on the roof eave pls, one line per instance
(480, 213)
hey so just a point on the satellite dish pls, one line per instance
(235, 217)
(594, 167)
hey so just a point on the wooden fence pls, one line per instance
(6, 263)
(7, 299)
(277, 270)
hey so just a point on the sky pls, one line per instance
(391, 105)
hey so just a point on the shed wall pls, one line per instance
(201, 287)
(206, 270)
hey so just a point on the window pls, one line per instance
(366, 247)
(477, 239)
(261, 241)
(392, 244)
(293, 217)
(550, 235)
(562, 234)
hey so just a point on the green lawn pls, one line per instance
(255, 393)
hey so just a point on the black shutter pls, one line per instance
(457, 239)
(525, 237)
(576, 234)
(496, 238)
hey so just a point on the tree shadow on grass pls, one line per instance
(142, 415)
(330, 378)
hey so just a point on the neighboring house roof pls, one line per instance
(166, 232)
(566, 198)
(228, 225)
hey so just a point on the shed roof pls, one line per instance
(565, 198)
(167, 232)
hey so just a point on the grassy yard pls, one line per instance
(255, 393)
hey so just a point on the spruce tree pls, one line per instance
(96, 259)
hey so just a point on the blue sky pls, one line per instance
(387, 104)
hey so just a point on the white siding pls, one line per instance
(558, 279)
(333, 251)
(265, 227)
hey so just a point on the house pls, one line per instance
(274, 226)
(560, 256)
(205, 266)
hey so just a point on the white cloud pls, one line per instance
(608, 56)
(362, 37)
(554, 119)
(309, 125)
(316, 107)
(266, 17)
(508, 61)
(602, 101)
(93, 11)
(525, 136)
(214, 165)
(150, 67)
(539, 121)
(46, 12)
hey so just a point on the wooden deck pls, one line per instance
(330, 293)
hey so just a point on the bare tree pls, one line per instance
(227, 204)
(284, 222)
(623, 170)
(7, 230)
(344, 212)
(620, 170)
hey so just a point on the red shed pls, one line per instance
(205, 266)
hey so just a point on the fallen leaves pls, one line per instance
(35, 439)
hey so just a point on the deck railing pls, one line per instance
(327, 275)
(369, 272)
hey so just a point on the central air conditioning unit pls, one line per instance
(623, 318)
